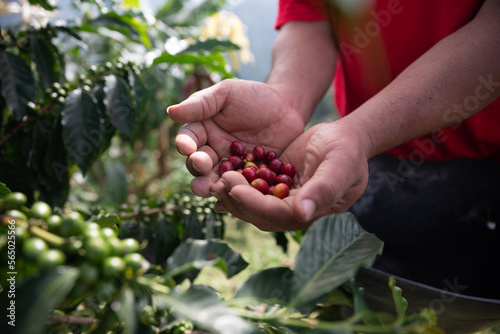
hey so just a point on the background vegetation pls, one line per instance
(97, 219)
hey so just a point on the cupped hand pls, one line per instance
(252, 112)
(332, 172)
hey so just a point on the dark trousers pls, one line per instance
(440, 221)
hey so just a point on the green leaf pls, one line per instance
(359, 303)
(197, 254)
(55, 167)
(397, 295)
(332, 252)
(184, 58)
(269, 284)
(108, 128)
(201, 305)
(44, 55)
(35, 298)
(45, 4)
(362, 310)
(4, 190)
(18, 84)
(124, 308)
(213, 61)
(131, 3)
(82, 133)
(117, 185)
(164, 239)
(107, 220)
(126, 24)
(47, 162)
(211, 45)
(119, 109)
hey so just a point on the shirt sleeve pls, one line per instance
(301, 10)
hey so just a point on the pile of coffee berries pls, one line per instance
(263, 170)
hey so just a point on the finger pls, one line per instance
(201, 185)
(201, 105)
(202, 161)
(332, 187)
(190, 137)
(266, 212)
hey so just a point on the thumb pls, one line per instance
(201, 105)
(328, 192)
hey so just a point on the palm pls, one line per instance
(330, 169)
(254, 115)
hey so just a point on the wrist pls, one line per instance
(358, 132)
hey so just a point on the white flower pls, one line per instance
(228, 26)
(32, 15)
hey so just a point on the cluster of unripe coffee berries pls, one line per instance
(48, 240)
(263, 170)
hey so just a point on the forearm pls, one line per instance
(433, 93)
(304, 59)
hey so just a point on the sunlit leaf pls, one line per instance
(124, 308)
(197, 254)
(268, 284)
(202, 305)
(211, 45)
(332, 252)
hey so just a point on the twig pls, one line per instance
(71, 319)
(132, 215)
(17, 128)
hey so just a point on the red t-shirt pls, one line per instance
(381, 43)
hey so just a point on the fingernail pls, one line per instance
(309, 207)
(234, 198)
(225, 183)
(168, 109)
(214, 194)
(197, 169)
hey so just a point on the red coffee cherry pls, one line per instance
(270, 156)
(260, 185)
(286, 179)
(251, 164)
(270, 190)
(275, 165)
(249, 156)
(262, 165)
(237, 161)
(225, 166)
(249, 174)
(281, 190)
(266, 174)
(263, 170)
(259, 152)
(288, 169)
(237, 148)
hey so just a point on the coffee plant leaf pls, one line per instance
(82, 132)
(17, 83)
(197, 254)
(273, 284)
(332, 252)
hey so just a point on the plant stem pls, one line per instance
(71, 319)
(17, 128)
(47, 236)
